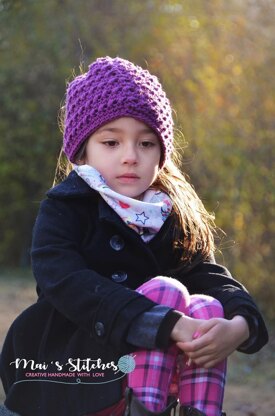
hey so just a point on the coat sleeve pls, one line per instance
(215, 280)
(93, 302)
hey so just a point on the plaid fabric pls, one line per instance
(158, 372)
(199, 387)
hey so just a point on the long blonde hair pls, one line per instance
(194, 226)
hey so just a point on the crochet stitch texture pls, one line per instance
(110, 89)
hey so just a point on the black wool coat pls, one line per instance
(87, 263)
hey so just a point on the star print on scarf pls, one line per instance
(142, 218)
(146, 217)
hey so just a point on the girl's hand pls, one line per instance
(214, 340)
(185, 328)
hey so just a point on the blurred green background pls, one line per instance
(216, 61)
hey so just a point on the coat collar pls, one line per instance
(73, 186)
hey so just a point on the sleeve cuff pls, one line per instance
(253, 330)
(151, 329)
(163, 339)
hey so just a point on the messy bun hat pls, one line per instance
(110, 89)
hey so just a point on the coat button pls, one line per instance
(117, 243)
(99, 329)
(119, 277)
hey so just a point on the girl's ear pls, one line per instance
(80, 157)
(80, 162)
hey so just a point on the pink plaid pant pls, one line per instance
(155, 369)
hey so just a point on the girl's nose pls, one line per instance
(129, 155)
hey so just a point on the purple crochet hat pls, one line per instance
(114, 88)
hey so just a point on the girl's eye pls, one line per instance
(147, 143)
(110, 143)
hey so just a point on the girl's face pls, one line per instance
(127, 154)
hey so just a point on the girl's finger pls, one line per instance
(188, 362)
(195, 345)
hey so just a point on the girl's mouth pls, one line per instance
(128, 178)
(128, 175)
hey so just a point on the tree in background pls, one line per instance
(216, 62)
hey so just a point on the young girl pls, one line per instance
(126, 278)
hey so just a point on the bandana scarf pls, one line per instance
(146, 217)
